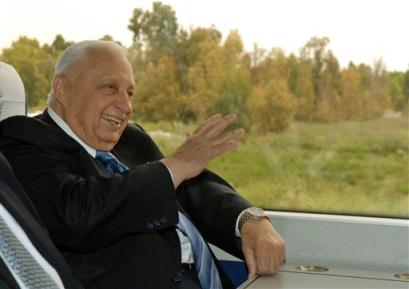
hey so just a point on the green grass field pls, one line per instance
(346, 167)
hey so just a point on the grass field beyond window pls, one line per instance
(346, 167)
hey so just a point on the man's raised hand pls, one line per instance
(207, 142)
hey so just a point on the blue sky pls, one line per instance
(359, 30)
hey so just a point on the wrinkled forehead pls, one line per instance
(103, 61)
(103, 56)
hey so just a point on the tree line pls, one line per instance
(187, 75)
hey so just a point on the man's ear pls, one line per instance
(59, 87)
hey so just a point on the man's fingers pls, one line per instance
(231, 136)
(283, 255)
(250, 261)
(219, 126)
(281, 248)
(221, 149)
(268, 259)
(215, 124)
(227, 142)
(208, 123)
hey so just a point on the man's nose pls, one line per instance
(124, 102)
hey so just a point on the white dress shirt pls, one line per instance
(14, 227)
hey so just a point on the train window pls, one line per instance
(321, 87)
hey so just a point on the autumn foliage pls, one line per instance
(187, 75)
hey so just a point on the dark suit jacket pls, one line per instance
(116, 231)
(16, 202)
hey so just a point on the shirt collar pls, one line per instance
(64, 126)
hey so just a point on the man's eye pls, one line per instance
(110, 88)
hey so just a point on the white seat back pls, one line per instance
(12, 94)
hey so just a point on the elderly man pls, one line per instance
(122, 214)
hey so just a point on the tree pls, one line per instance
(328, 109)
(396, 90)
(53, 51)
(205, 59)
(325, 76)
(195, 43)
(158, 42)
(233, 95)
(301, 86)
(379, 89)
(158, 94)
(406, 85)
(406, 91)
(108, 37)
(59, 44)
(257, 55)
(157, 30)
(233, 50)
(272, 107)
(274, 65)
(315, 51)
(352, 93)
(33, 64)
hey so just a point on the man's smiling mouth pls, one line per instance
(112, 119)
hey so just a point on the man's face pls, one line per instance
(97, 98)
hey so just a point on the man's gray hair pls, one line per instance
(73, 54)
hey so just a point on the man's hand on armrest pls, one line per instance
(263, 247)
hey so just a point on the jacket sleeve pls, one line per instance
(214, 206)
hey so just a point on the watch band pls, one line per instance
(252, 213)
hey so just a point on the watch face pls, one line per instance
(257, 212)
(252, 213)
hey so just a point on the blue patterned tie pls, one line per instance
(110, 162)
(205, 266)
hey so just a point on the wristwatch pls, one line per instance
(252, 213)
